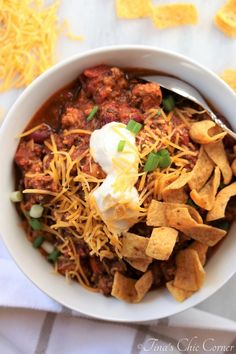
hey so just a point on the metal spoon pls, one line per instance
(187, 91)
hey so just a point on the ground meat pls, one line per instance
(73, 118)
(104, 284)
(147, 96)
(96, 71)
(183, 131)
(28, 157)
(115, 265)
(113, 111)
(100, 278)
(103, 82)
(109, 112)
(126, 113)
(41, 182)
(82, 248)
(64, 265)
(71, 139)
(92, 169)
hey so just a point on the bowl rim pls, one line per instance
(66, 62)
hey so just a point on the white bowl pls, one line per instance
(159, 303)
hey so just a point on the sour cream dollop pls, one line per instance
(116, 199)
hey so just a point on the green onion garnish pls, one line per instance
(16, 197)
(92, 113)
(38, 241)
(164, 158)
(121, 145)
(157, 159)
(163, 152)
(134, 126)
(52, 257)
(168, 103)
(35, 224)
(36, 211)
(151, 163)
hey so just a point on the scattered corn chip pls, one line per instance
(131, 9)
(201, 250)
(172, 15)
(180, 219)
(174, 192)
(157, 213)
(165, 181)
(205, 198)
(133, 249)
(221, 201)
(161, 243)
(190, 274)
(216, 152)
(225, 18)
(205, 132)
(134, 246)
(130, 290)
(139, 263)
(229, 76)
(179, 294)
(201, 171)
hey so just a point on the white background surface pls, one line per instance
(96, 21)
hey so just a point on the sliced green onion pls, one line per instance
(151, 163)
(165, 162)
(164, 158)
(168, 103)
(158, 113)
(35, 224)
(16, 197)
(131, 124)
(134, 126)
(38, 241)
(92, 113)
(121, 145)
(52, 257)
(157, 159)
(36, 211)
(163, 152)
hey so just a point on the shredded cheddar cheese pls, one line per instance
(28, 34)
(162, 133)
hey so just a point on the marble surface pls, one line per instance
(96, 21)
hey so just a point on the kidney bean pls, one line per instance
(40, 134)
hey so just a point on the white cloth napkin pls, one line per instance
(56, 329)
